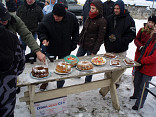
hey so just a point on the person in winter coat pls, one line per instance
(120, 30)
(93, 32)
(16, 25)
(49, 8)
(31, 14)
(59, 31)
(143, 36)
(85, 11)
(108, 8)
(12, 63)
(147, 70)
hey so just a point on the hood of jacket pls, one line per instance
(99, 6)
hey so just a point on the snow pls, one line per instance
(91, 103)
(131, 2)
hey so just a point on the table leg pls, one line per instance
(115, 76)
(31, 89)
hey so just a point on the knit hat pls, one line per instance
(92, 4)
(152, 18)
(4, 15)
(59, 10)
(121, 5)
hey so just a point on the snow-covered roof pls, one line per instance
(137, 2)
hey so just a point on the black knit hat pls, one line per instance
(59, 10)
(152, 18)
(4, 15)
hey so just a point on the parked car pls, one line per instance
(74, 7)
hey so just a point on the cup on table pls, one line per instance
(31, 59)
(51, 58)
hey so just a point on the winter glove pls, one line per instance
(112, 38)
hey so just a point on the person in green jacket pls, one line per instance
(13, 23)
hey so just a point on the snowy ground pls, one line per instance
(91, 103)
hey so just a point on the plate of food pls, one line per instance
(63, 68)
(84, 66)
(98, 60)
(109, 55)
(128, 61)
(40, 72)
(40, 78)
(62, 73)
(115, 62)
(72, 60)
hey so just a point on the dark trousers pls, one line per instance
(82, 52)
(139, 81)
(61, 82)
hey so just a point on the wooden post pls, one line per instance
(31, 89)
(114, 76)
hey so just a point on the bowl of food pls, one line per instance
(72, 60)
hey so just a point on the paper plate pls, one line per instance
(40, 78)
(62, 73)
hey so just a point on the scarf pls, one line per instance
(93, 14)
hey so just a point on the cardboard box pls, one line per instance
(50, 107)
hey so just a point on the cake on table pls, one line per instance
(109, 55)
(84, 65)
(98, 60)
(63, 67)
(40, 71)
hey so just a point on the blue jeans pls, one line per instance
(24, 45)
(139, 81)
(82, 52)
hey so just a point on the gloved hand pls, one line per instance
(112, 38)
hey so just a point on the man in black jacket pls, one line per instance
(119, 33)
(31, 14)
(59, 31)
(120, 30)
(108, 8)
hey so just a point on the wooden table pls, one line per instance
(30, 96)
